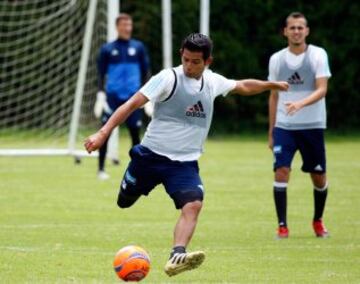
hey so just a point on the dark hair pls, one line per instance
(122, 16)
(295, 15)
(198, 42)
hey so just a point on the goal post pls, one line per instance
(48, 78)
(113, 9)
(81, 77)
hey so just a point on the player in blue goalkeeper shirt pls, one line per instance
(123, 65)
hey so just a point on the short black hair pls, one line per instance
(121, 17)
(295, 15)
(198, 42)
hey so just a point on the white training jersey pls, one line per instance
(300, 71)
(183, 109)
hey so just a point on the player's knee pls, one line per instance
(191, 210)
(319, 181)
(122, 203)
(189, 199)
(194, 207)
(126, 200)
(282, 174)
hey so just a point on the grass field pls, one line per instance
(59, 224)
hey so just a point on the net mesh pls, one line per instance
(40, 49)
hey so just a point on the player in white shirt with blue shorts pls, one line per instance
(183, 106)
(298, 118)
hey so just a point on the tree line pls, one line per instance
(245, 34)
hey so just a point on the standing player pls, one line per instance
(122, 66)
(174, 139)
(298, 118)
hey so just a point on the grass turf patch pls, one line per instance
(59, 224)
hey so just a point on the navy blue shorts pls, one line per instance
(133, 121)
(309, 142)
(147, 169)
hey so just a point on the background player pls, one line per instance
(123, 65)
(298, 118)
(174, 139)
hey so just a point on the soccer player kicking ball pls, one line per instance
(173, 142)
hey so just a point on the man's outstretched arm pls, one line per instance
(251, 87)
(96, 140)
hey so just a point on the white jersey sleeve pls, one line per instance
(319, 59)
(220, 84)
(273, 67)
(159, 87)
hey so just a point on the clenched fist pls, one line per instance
(95, 141)
(282, 85)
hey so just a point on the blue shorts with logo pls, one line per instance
(147, 169)
(133, 121)
(309, 142)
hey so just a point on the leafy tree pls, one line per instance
(246, 33)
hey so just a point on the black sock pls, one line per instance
(102, 155)
(319, 203)
(135, 135)
(280, 204)
(177, 249)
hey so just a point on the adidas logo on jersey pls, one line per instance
(196, 110)
(114, 52)
(295, 79)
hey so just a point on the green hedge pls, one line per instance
(246, 33)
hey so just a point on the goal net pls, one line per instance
(48, 79)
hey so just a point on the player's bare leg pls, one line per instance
(180, 260)
(186, 224)
(320, 194)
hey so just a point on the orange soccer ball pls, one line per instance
(132, 263)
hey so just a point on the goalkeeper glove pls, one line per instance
(101, 104)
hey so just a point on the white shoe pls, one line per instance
(181, 262)
(102, 175)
